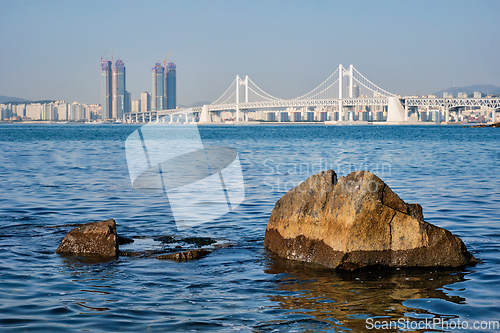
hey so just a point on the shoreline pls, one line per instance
(252, 123)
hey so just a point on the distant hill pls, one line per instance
(485, 89)
(7, 99)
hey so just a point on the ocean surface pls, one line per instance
(54, 176)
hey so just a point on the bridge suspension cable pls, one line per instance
(230, 96)
(269, 97)
(369, 85)
(225, 92)
(354, 86)
(321, 88)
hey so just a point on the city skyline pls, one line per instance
(288, 47)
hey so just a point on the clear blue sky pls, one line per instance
(52, 49)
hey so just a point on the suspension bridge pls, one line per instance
(344, 88)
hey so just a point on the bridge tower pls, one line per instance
(246, 88)
(341, 109)
(351, 72)
(240, 82)
(237, 98)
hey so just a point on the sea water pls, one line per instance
(54, 176)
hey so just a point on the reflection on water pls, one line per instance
(347, 299)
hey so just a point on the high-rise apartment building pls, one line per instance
(135, 106)
(158, 94)
(120, 103)
(106, 89)
(145, 102)
(170, 86)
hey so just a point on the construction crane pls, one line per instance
(104, 55)
(165, 60)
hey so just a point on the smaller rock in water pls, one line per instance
(186, 255)
(124, 240)
(96, 239)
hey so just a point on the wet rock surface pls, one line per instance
(95, 238)
(100, 239)
(185, 255)
(174, 247)
(357, 221)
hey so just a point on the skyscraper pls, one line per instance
(119, 91)
(158, 97)
(106, 89)
(170, 86)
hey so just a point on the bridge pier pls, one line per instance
(493, 115)
(205, 116)
(446, 114)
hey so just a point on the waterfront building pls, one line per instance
(363, 115)
(158, 94)
(136, 106)
(447, 95)
(321, 116)
(76, 111)
(171, 86)
(423, 116)
(378, 116)
(62, 111)
(34, 111)
(283, 117)
(296, 116)
(462, 95)
(309, 116)
(5, 112)
(128, 101)
(18, 110)
(93, 111)
(477, 94)
(106, 89)
(49, 112)
(53, 111)
(270, 116)
(119, 90)
(145, 101)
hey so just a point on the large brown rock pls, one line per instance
(96, 238)
(358, 221)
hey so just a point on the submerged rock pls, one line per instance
(124, 240)
(186, 255)
(358, 221)
(494, 125)
(96, 238)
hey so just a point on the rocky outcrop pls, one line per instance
(185, 255)
(494, 125)
(358, 221)
(96, 238)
